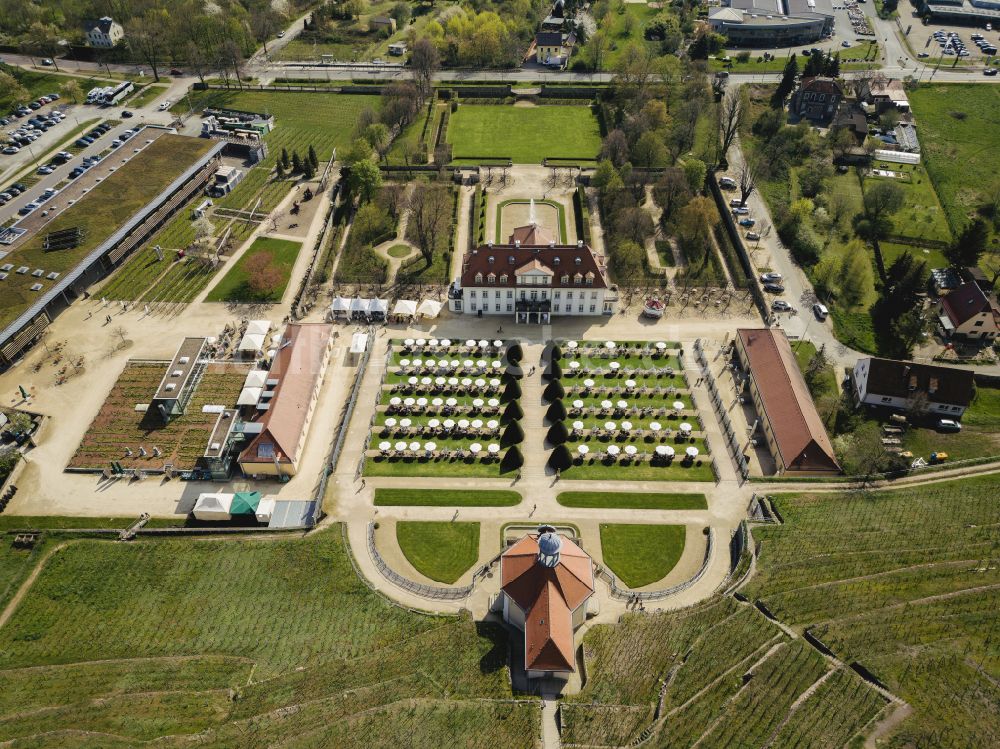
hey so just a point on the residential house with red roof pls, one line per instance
(969, 312)
(887, 383)
(792, 427)
(545, 582)
(817, 99)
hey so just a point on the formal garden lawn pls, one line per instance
(446, 498)
(524, 134)
(641, 554)
(442, 551)
(235, 286)
(634, 500)
(400, 250)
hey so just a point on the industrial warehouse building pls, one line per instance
(760, 24)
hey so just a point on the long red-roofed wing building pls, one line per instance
(791, 424)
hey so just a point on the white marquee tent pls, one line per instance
(340, 306)
(405, 307)
(429, 308)
(265, 509)
(213, 506)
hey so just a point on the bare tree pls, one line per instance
(730, 118)
(149, 35)
(264, 23)
(749, 172)
(425, 61)
(430, 216)
(232, 56)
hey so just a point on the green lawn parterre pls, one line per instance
(446, 498)
(442, 551)
(234, 286)
(525, 134)
(641, 554)
(633, 500)
(324, 120)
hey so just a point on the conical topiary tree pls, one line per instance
(515, 353)
(556, 353)
(512, 460)
(556, 412)
(558, 433)
(512, 435)
(561, 458)
(511, 374)
(554, 391)
(513, 412)
(512, 392)
(554, 371)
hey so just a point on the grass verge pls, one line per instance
(442, 551)
(641, 554)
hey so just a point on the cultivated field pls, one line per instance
(325, 121)
(524, 134)
(244, 643)
(118, 425)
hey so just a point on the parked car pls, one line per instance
(176, 71)
(752, 236)
(990, 71)
(47, 62)
(741, 211)
(747, 222)
(820, 311)
(735, 203)
(45, 169)
(774, 288)
(948, 425)
(780, 305)
(11, 150)
(727, 183)
(165, 105)
(126, 114)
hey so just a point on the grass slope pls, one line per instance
(634, 500)
(446, 498)
(641, 554)
(525, 134)
(957, 133)
(442, 551)
(235, 286)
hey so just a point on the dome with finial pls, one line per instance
(549, 546)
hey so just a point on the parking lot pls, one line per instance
(923, 41)
(71, 190)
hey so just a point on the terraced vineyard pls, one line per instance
(241, 645)
(906, 583)
(722, 676)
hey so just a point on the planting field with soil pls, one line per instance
(525, 134)
(118, 425)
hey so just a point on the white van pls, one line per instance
(820, 311)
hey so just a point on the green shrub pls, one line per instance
(556, 412)
(512, 435)
(561, 458)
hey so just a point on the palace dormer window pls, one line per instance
(579, 260)
(492, 278)
(555, 261)
(479, 278)
(577, 279)
(490, 259)
(503, 278)
(565, 278)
